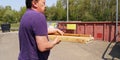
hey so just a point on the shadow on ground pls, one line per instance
(114, 53)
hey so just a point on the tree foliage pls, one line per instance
(84, 10)
(7, 15)
(79, 10)
(57, 12)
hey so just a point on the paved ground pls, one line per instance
(95, 50)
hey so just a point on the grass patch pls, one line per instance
(15, 25)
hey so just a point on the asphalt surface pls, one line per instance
(94, 50)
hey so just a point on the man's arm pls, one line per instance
(53, 30)
(43, 43)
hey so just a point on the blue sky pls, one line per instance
(16, 4)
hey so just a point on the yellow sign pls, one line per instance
(71, 26)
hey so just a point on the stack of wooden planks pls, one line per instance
(79, 38)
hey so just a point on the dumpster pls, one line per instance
(99, 30)
(5, 27)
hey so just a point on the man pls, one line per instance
(33, 33)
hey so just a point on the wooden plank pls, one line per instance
(72, 38)
(69, 34)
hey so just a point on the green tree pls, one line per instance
(60, 11)
(56, 12)
(50, 13)
(21, 12)
(8, 16)
(2, 10)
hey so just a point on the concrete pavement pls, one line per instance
(95, 50)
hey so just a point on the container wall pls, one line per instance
(80, 28)
(99, 30)
(89, 29)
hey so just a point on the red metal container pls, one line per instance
(99, 30)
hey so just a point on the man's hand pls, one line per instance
(56, 41)
(60, 32)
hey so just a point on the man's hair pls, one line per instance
(29, 3)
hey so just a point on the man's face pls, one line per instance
(41, 6)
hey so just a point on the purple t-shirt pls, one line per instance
(32, 24)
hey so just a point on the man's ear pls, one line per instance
(34, 3)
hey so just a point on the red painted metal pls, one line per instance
(99, 30)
